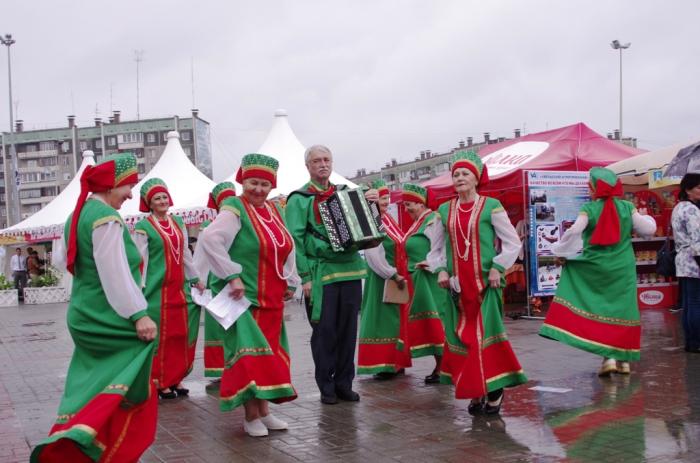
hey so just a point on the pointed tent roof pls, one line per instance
(189, 188)
(282, 144)
(48, 221)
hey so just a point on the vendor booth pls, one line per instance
(572, 148)
(646, 184)
(567, 150)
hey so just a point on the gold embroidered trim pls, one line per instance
(423, 346)
(378, 340)
(428, 314)
(116, 387)
(80, 427)
(588, 341)
(456, 349)
(591, 316)
(503, 375)
(248, 350)
(357, 273)
(104, 220)
(377, 365)
(494, 339)
(261, 388)
(229, 208)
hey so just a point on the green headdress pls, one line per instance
(220, 192)
(258, 166)
(471, 161)
(415, 193)
(380, 186)
(149, 189)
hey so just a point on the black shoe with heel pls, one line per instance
(433, 378)
(181, 391)
(476, 406)
(167, 395)
(494, 402)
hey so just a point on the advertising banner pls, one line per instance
(554, 201)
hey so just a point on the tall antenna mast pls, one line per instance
(192, 75)
(138, 57)
(111, 103)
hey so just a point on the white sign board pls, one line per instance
(514, 156)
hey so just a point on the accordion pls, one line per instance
(350, 220)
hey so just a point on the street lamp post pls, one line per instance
(12, 198)
(616, 45)
(138, 57)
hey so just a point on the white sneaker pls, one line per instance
(623, 368)
(609, 366)
(273, 423)
(255, 428)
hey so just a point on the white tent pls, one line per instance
(189, 188)
(48, 222)
(282, 144)
(634, 170)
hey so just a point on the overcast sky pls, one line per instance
(371, 79)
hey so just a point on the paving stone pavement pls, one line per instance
(652, 415)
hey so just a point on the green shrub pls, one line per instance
(5, 283)
(49, 278)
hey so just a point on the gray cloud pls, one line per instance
(371, 79)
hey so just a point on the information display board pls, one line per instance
(554, 200)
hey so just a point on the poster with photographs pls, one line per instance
(554, 201)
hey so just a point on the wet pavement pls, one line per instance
(652, 415)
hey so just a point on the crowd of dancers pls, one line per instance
(135, 325)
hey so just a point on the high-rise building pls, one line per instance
(48, 159)
(424, 167)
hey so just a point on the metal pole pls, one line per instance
(14, 180)
(139, 58)
(621, 94)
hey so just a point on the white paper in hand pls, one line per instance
(202, 298)
(226, 309)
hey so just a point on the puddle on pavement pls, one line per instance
(39, 323)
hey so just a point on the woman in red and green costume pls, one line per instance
(426, 333)
(479, 359)
(108, 411)
(595, 306)
(249, 247)
(213, 332)
(383, 346)
(167, 265)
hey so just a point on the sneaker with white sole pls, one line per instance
(623, 368)
(255, 428)
(273, 423)
(608, 367)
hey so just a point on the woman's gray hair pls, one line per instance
(311, 149)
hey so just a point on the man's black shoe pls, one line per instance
(329, 399)
(349, 395)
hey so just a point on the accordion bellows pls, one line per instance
(350, 220)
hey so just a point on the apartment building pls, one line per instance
(48, 159)
(425, 166)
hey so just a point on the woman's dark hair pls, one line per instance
(688, 182)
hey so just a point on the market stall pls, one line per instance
(575, 148)
(647, 186)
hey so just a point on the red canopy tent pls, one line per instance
(572, 148)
